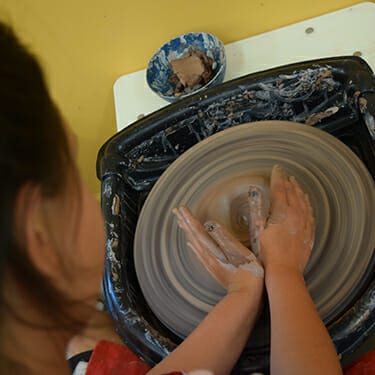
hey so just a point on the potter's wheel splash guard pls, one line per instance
(178, 289)
(131, 162)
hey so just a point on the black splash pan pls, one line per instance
(335, 94)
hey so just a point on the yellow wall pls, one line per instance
(84, 45)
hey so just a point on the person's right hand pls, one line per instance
(289, 234)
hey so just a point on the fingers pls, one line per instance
(205, 249)
(222, 255)
(213, 265)
(300, 196)
(278, 189)
(291, 194)
(279, 201)
(306, 210)
(257, 216)
(235, 252)
(196, 234)
(310, 222)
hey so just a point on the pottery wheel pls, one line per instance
(176, 286)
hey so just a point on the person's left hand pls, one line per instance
(234, 266)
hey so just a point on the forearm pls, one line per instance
(300, 343)
(218, 341)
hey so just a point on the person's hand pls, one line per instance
(234, 266)
(289, 234)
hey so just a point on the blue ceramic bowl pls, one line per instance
(159, 68)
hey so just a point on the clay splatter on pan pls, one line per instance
(305, 96)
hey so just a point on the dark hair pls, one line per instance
(33, 149)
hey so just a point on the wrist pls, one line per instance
(277, 271)
(253, 290)
(247, 300)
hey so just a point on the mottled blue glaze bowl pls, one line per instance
(159, 68)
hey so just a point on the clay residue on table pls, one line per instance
(317, 117)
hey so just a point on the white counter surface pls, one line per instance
(345, 32)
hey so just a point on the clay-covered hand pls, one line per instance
(289, 234)
(234, 266)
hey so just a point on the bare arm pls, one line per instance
(219, 339)
(217, 342)
(300, 343)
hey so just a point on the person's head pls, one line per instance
(51, 231)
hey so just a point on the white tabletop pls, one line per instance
(345, 32)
